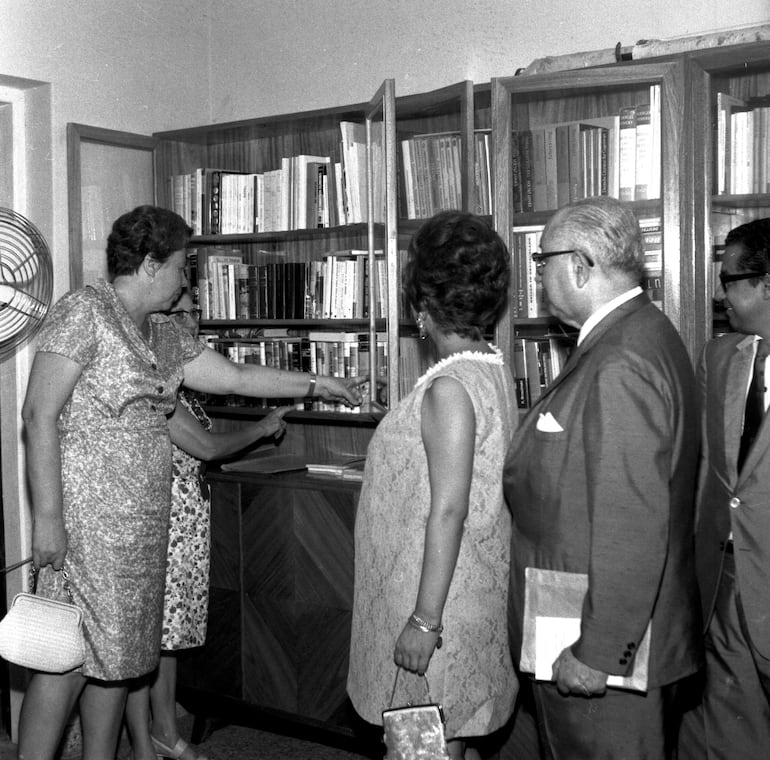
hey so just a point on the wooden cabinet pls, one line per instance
(281, 597)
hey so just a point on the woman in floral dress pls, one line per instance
(185, 607)
(104, 379)
(432, 532)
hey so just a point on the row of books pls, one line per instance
(482, 171)
(304, 192)
(652, 278)
(432, 174)
(743, 145)
(528, 297)
(536, 362)
(617, 155)
(332, 353)
(230, 284)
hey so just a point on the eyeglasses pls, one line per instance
(180, 315)
(539, 258)
(724, 279)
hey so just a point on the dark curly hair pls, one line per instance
(754, 239)
(145, 230)
(458, 270)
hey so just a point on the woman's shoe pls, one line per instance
(180, 751)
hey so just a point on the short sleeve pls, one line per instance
(69, 328)
(174, 347)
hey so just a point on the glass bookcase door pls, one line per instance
(558, 137)
(731, 139)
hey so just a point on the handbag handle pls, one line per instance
(395, 684)
(15, 565)
(33, 571)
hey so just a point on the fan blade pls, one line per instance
(19, 301)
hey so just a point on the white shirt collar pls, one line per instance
(601, 313)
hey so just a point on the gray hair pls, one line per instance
(607, 231)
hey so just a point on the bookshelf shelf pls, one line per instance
(235, 412)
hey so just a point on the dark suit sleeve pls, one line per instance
(629, 424)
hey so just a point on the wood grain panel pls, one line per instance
(270, 635)
(323, 527)
(225, 537)
(216, 666)
(322, 660)
(267, 543)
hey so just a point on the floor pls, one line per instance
(246, 742)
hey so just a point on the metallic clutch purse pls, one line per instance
(414, 732)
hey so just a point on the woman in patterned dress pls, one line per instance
(104, 378)
(432, 531)
(185, 607)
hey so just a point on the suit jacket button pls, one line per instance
(631, 645)
(735, 502)
(622, 661)
(626, 653)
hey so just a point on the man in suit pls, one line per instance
(600, 478)
(732, 544)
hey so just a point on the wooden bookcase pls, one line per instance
(742, 72)
(282, 545)
(530, 102)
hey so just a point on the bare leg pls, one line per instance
(47, 706)
(163, 701)
(138, 718)
(101, 713)
(459, 750)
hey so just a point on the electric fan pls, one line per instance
(26, 280)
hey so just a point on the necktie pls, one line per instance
(755, 402)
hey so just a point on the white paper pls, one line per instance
(552, 636)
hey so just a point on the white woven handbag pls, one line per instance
(43, 634)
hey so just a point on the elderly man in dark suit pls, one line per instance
(732, 548)
(600, 479)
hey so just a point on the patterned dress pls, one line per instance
(116, 474)
(471, 675)
(185, 610)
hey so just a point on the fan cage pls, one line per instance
(26, 280)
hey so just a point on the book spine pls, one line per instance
(551, 169)
(643, 159)
(526, 158)
(539, 191)
(562, 166)
(627, 157)
(516, 172)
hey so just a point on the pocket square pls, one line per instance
(548, 424)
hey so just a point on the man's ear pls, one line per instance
(580, 268)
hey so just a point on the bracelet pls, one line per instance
(424, 625)
(311, 386)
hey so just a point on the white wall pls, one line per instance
(299, 54)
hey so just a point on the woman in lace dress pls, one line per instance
(432, 531)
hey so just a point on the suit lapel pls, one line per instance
(737, 382)
(599, 330)
(574, 361)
